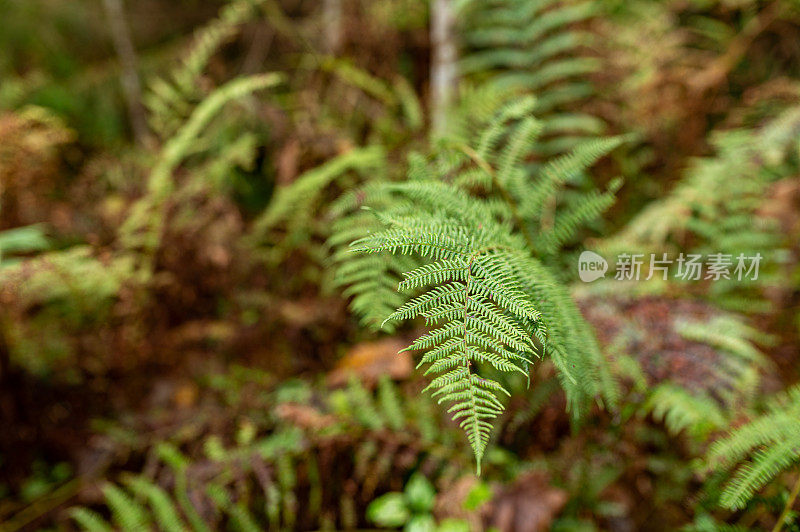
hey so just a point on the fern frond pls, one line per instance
(560, 170)
(566, 224)
(127, 513)
(89, 520)
(164, 511)
(390, 404)
(582, 369)
(170, 99)
(680, 410)
(463, 278)
(534, 47)
(370, 280)
(763, 448)
(716, 205)
(240, 516)
(179, 463)
(766, 464)
(491, 306)
(142, 227)
(295, 200)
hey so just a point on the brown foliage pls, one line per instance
(30, 168)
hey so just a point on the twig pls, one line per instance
(789, 503)
(5, 355)
(259, 49)
(43, 506)
(718, 70)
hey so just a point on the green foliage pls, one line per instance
(370, 280)
(709, 188)
(492, 303)
(44, 479)
(143, 227)
(274, 476)
(194, 131)
(398, 96)
(21, 240)
(707, 523)
(389, 510)
(142, 504)
(292, 206)
(473, 238)
(294, 201)
(737, 370)
(759, 450)
(71, 289)
(170, 100)
(715, 209)
(63, 293)
(742, 361)
(535, 46)
(55, 57)
(412, 509)
(680, 410)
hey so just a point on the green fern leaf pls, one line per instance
(127, 513)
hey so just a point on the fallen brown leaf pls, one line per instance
(371, 360)
(528, 505)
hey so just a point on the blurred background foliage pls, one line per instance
(176, 352)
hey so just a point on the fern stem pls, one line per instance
(514, 211)
(466, 358)
(789, 503)
(482, 163)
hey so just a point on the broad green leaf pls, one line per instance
(420, 493)
(389, 510)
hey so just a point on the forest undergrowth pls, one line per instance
(440, 266)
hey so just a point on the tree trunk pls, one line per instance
(332, 19)
(131, 85)
(443, 61)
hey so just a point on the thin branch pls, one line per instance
(718, 70)
(789, 503)
(5, 355)
(263, 36)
